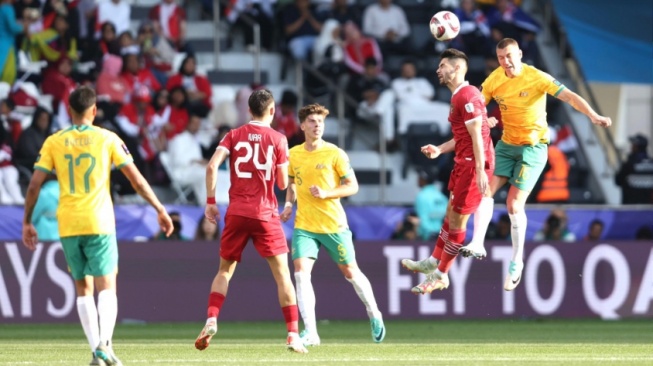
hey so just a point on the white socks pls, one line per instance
(88, 317)
(482, 218)
(518, 235)
(364, 290)
(306, 300)
(433, 261)
(107, 307)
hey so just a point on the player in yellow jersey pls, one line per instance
(320, 174)
(82, 156)
(520, 91)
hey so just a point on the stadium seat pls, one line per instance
(417, 135)
(183, 192)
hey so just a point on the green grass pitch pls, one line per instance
(428, 342)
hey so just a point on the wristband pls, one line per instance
(210, 200)
(288, 204)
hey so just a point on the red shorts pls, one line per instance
(465, 196)
(268, 237)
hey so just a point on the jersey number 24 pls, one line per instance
(266, 166)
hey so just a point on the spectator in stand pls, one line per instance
(57, 80)
(301, 27)
(359, 48)
(176, 232)
(328, 46)
(9, 30)
(407, 229)
(53, 43)
(509, 21)
(595, 230)
(387, 23)
(376, 100)
(500, 230)
(110, 86)
(285, 118)
(8, 118)
(186, 161)
(117, 12)
(260, 11)
(31, 139)
(135, 75)
(430, 205)
(555, 228)
(635, 177)
(128, 44)
(170, 22)
(44, 216)
(474, 37)
(206, 230)
(179, 116)
(141, 127)
(157, 52)
(343, 12)
(10, 193)
(197, 87)
(108, 42)
(414, 96)
(644, 232)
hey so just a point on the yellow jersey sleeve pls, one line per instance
(548, 84)
(45, 160)
(342, 165)
(120, 155)
(486, 90)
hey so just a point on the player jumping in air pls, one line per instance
(520, 91)
(258, 158)
(82, 156)
(320, 174)
(473, 164)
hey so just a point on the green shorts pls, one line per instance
(522, 164)
(340, 246)
(90, 255)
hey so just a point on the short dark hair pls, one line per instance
(82, 99)
(259, 101)
(506, 42)
(454, 54)
(370, 61)
(597, 222)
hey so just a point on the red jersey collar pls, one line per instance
(464, 84)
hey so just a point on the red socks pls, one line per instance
(292, 318)
(451, 246)
(215, 303)
(442, 238)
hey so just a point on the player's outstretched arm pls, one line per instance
(582, 106)
(291, 196)
(432, 151)
(142, 187)
(30, 237)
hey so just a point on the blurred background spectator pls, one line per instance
(555, 228)
(430, 205)
(499, 230)
(44, 216)
(635, 176)
(387, 23)
(10, 28)
(206, 230)
(407, 229)
(595, 230)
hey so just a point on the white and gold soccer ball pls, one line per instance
(444, 25)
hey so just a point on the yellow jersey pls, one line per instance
(324, 167)
(82, 157)
(522, 100)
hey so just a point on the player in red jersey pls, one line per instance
(258, 158)
(473, 164)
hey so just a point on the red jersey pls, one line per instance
(256, 150)
(467, 103)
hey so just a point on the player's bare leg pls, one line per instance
(482, 217)
(217, 296)
(306, 300)
(363, 288)
(516, 203)
(286, 292)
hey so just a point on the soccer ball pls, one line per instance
(444, 25)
